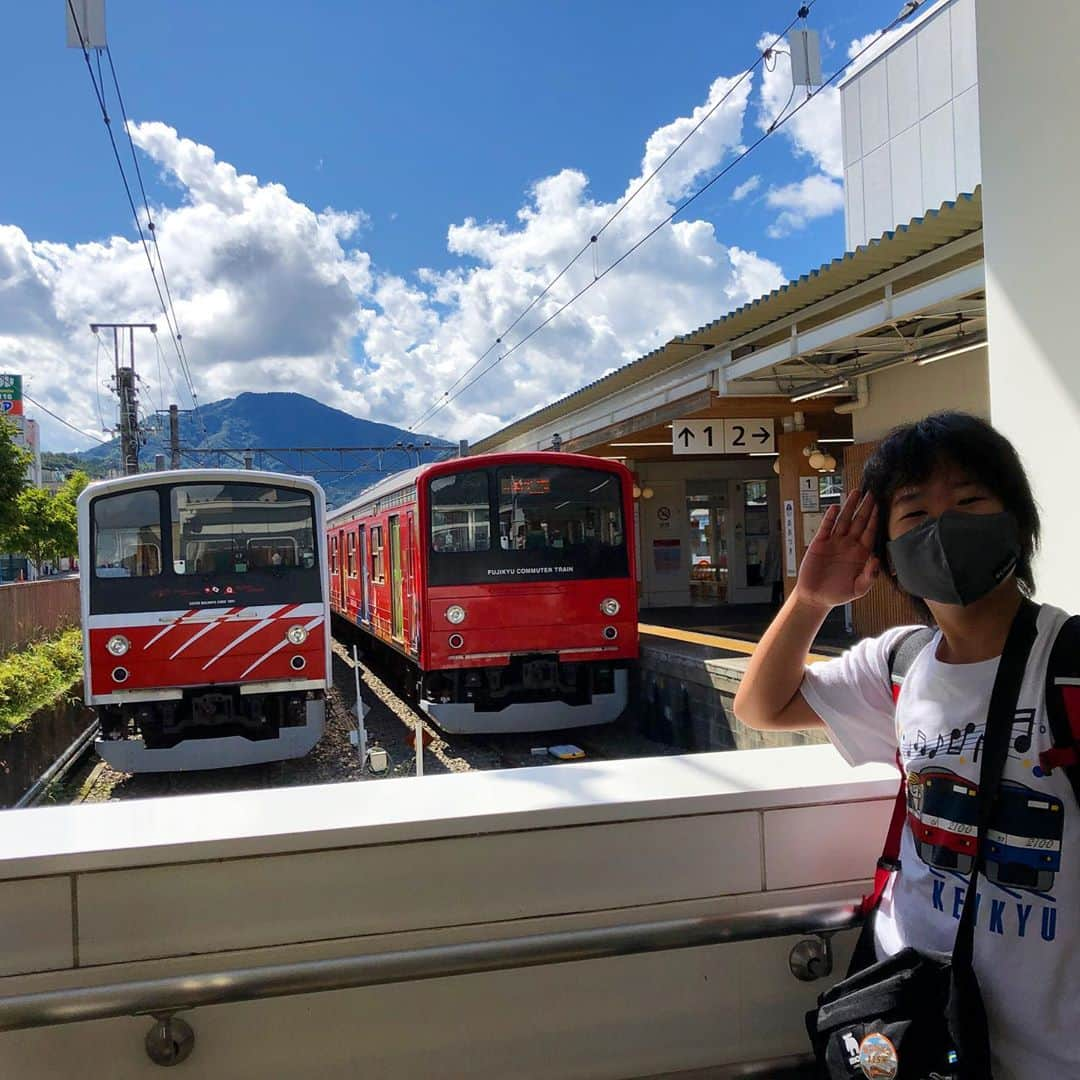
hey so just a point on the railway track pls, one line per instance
(391, 723)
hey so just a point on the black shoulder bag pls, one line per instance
(912, 1016)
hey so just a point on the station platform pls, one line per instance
(692, 661)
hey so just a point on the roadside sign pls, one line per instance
(11, 395)
(728, 436)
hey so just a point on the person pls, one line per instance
(946, 510)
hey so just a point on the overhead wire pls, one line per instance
(746, 152)
(593, 240)
(100, 96)
(152, 229)
(78, 431)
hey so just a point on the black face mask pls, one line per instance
(957, 558)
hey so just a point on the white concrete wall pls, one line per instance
(909, 393)
(1031, 159)
(91, 895)
(911, 125)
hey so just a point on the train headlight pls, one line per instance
(297, 635)
(118, 645)
(455, 614)
(610, 607)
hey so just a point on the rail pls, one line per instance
(172, 1038)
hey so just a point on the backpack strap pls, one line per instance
(1063, 704)
(901, 656)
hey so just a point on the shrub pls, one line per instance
(35, 676)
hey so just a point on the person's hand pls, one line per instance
(839, 565)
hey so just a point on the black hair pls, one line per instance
(911, 452)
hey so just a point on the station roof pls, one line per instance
(954, 219)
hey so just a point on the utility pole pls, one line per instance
(124, 385)
(174, 437)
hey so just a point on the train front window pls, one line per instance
(556, 510)
(237, 528)
(461, 512)
(527, 523)
(127, 535)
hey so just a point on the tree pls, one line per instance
(46, 525)
(14, 462)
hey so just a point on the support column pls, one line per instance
(793, 464)
(1030, 160)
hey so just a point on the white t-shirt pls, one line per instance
(1026, 931)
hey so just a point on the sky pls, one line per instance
(353, 201)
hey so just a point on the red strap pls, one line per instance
(890, 855)
(1065, 756)
(1070, 693)
(1060, 757)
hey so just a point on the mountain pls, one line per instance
(286, 422)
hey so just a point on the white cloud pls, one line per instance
(801, 202)
(272, 294)
(747, 187)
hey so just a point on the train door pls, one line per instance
(365, 576)
(340, 571)
(411, 619)
(397, 626)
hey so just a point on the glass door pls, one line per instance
(708, 547)
(757, 534)
(396, 578)
(365, 576)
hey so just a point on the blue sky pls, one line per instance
(413, 118)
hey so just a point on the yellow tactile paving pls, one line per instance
(714, 641)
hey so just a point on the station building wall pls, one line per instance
(904, 394)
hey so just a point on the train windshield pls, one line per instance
(238, 528)
(174, 546)
(527, 523)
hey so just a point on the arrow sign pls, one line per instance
(712, 435)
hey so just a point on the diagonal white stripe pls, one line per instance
(244, 636)
(280, 645)
(231, 617)
(164, 630)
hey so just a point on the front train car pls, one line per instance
(205, 617)
(507, 583)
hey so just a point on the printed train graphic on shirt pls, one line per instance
(1024, 838)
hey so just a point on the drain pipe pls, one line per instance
(862, 397)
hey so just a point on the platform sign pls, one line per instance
(11, 403)
(727, 436)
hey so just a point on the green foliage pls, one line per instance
(36, 675)
(14, 462)
(69, 463)
(44, 525)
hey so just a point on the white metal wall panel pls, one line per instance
(903, 67)
(918, 90)
(965, 68)
(874, 108)
(935, 63)
(966, 136)
(851, 124)
(938, 157)
(906, 162)
(877, 192)
(854, 211)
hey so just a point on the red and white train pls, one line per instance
(206, 625)
(506, 582)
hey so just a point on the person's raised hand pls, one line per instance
(839, 565)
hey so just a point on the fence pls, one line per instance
(32, 610)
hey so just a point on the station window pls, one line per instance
(333, 554)
(377, 573)
(351, 554)
(127, 535)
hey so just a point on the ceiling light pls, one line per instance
(622, 444)
(960, 345)
(764, 453)
(817, 391)
(845, 439)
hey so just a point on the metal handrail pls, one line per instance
(163, 997)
